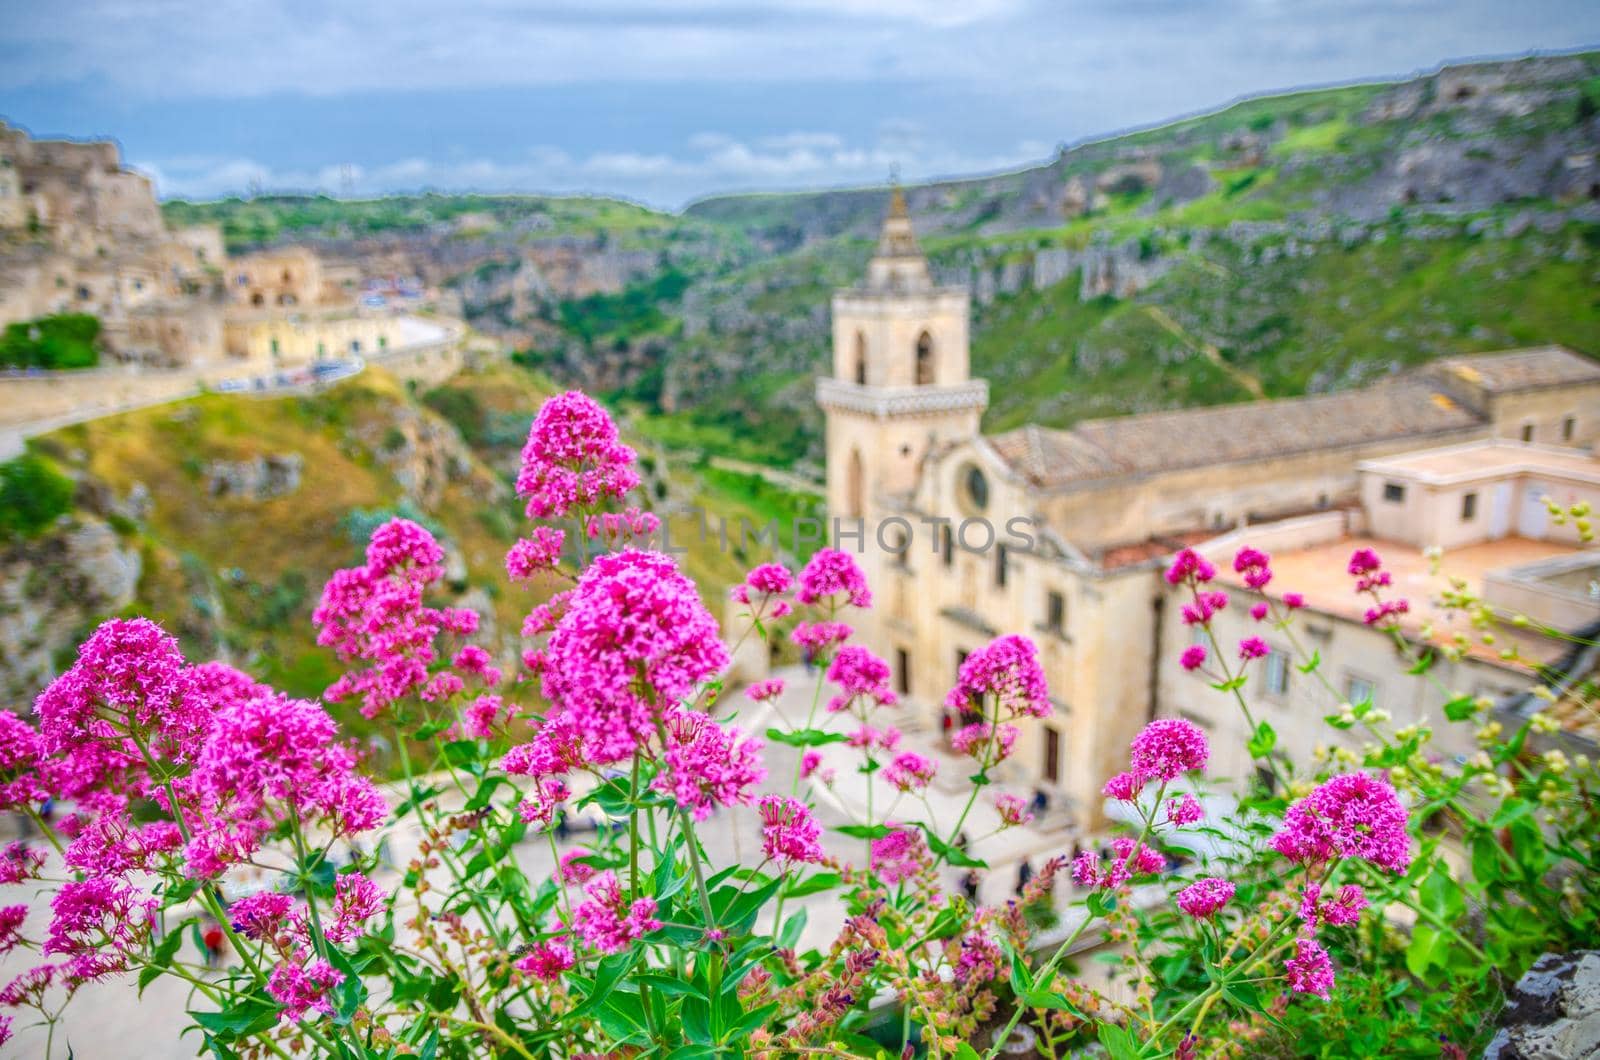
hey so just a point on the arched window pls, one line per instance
(924, 359)
(861, 359)
(853, 486)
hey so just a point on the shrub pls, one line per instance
(55, 343)
(32, 495)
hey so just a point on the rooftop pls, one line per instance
(1488, 459)
(1170, 441)
(1320, 573)
(1530, 369)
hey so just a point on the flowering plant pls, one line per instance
(452, 913)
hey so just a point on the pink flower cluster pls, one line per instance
(910, 771)
(705, 765)
(633, 640)
(863, 679)
(833, 578)
(606, 921)
(1353, 815)
(1006, 669)
(573, 458)
(1204, 898)
(538, 553)
(1189, 567)
(1129, 858)
(764, 589)
(789, 833)
(1255, 566)
(375, 614)
(763, 691)
(900, 855)
(1341, 911)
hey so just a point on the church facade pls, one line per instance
(1063, 534)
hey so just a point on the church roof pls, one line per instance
(1171, 441)
(1531, 369)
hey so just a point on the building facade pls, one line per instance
(1062, 534)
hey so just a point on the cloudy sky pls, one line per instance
(666, 100)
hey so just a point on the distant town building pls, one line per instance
(1063, 534)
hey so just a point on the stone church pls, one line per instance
(1063, 534)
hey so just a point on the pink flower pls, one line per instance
(480, 717)
(547, 960)
(1008, 669)
(1013, 810)
(634, 641)
(1124, 787)
(1205, 897)
(810, 766)
(1384, 611)
(472, 659)
(910, 771)
(531, 555)
(1351, 815)
(1309, 971)
(1253, 648)
(866, 736)
(555, 749)
(762, 691)
(1193, 657)
(978, 961)
(1293, 601)
(1184, 811)
(1206, 604)
(1168, 747)
(11, 919)
(788, 831)
(573, 458)
(862, 677)
(1364, 561)
(20, 748)
(19, 862)
(830, 575)
(267, 760)
(1189, 566)
(97, 922)
(1128, 859)
(1346, 909)
(819, 637)
(898, 855)
(617, 528)
(981, 740)
(548, 795)
(606, 921)
(131, 670)
(574, 869)
(302, 988)
(1259, 611)
(706, 765)
(762, 583)
(260, 915)
(356, 899)
(1254, 565)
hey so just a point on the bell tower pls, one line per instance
(900, 382)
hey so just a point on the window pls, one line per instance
(1393, 492)
(1277, 673)
(861, 359)
(1359, 690)
(1000, 567)
(976, 485)
(902, 671)
(1469, 507)
(1055, 612)
(1569, 427)
(1527, 432)
(924, 359)
(1052, 755)
(947, 545)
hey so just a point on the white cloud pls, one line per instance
(709, 161)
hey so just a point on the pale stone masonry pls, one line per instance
(1062, 534)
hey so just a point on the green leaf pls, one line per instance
(863, 831)
(1427, 949)
(950, 853)
(432, 729)
(669, 984)
(1264, 740)
(1339, 721)
(161, 957)
(816, 883)
(966, 1052)
(1118, 1042)
(606, 977)
(1046, 999)
(461, 752)
(1311, 663)
(805, 737)
(486, 788)
(1423, 664)
(789, 932)
(1461, 708)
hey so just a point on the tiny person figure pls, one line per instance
(211, 940)
(969, 885)
(1024, 874)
